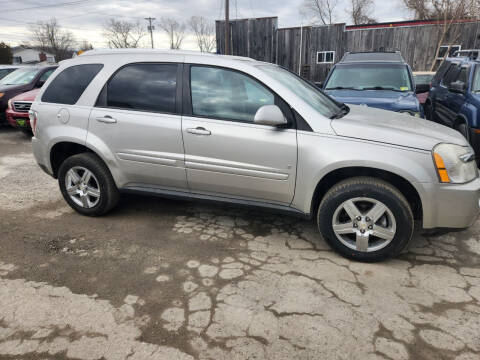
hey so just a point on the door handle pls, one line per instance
(107, 119)
(199, 131)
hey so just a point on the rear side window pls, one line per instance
(143, 87)
(69, 85)
(463, 75)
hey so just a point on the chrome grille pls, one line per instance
(21, 106)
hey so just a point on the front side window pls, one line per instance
(307, 92)
(450, 75)
(463, 75)
(226, 94)
(144, 87)
(69, 85)
(370, 77)
(5, 72)
(46, 75)
(20, 76)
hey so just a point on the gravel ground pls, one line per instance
(163, 279)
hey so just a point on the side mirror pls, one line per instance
(319, 85)
(422, 88)
(457, 87)
(270, 115)
(40, 84)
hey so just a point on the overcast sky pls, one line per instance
(85, 17)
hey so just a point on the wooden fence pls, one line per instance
(296, 48)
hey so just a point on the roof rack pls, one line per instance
(372, 56)
(473, 54)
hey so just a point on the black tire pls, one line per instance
(27, 132)
(379, 190)
(109, 194)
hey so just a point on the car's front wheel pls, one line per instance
(87, 185)
(365, 219)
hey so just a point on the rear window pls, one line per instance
(143, 87)
(69, 85)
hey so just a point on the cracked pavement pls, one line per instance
(163, 279)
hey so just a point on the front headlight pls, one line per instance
(410, 112)
(454, 163)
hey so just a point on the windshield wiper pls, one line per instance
(342, 88)
(381, 88)
(344, 110)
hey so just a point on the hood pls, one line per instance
(27, 96)
(6, 88)
(382, 99)
(394, 128)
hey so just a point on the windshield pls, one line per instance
(19, 77)
(370, 77)
(423, 79)
(310, 94)
(476, 81)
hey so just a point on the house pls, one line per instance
(30, 55)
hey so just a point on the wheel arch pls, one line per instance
(337, 175)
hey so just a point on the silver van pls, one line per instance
(231, 129)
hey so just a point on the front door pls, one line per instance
(226, 154)
(138, 119)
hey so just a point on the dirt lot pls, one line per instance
(163, 279)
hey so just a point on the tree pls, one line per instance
(174, 30)
(204, 32)
(49, 36)
(123, 34)
(448, 11)
(6, 55)
(361, 11)
(319, 12)
(85, 46)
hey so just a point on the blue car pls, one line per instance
(454, 98)
(381, 80)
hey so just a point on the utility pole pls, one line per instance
(227, 27)
(150, 28)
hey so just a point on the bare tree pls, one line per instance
(49, 36)
(319, 12)
(123, 34)
(448, 11)
(361, 11)
(204, 31)
(85, 46)
(174, 30)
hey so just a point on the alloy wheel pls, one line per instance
(364, 224)
(82, 187)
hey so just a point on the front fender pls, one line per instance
(319, 155)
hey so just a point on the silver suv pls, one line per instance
(232, 129)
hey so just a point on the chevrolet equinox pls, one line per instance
(231, 129)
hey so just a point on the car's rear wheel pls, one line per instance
(365, 219)
(87, 185)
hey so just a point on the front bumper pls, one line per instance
(13, 116)
(453, 206)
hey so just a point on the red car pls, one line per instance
(17, 111)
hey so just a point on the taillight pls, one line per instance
(33, 116)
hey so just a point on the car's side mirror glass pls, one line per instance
(270, 115)
(422, 88)
(457, 87)
(40, 84)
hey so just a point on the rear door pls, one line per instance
(226, 154)
(138, 118)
